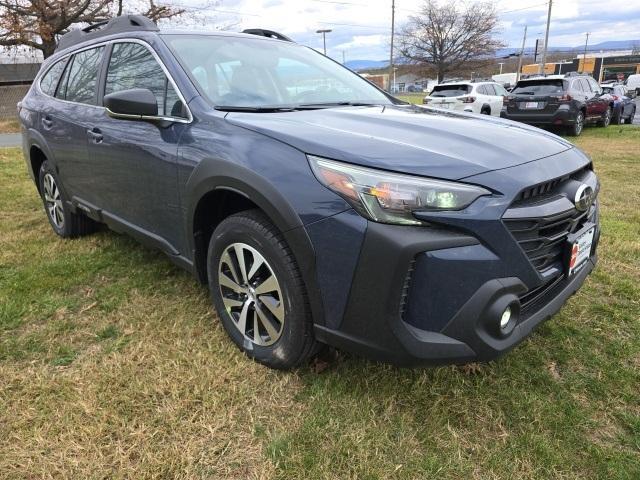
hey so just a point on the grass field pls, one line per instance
(113, 365)
(9, 125)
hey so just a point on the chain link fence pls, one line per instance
(10, 95)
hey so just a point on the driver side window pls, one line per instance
(133, 66)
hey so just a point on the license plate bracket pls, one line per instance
(579, 247)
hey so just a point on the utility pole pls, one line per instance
(324, 38)
(584, 58)
(501, 64)
(393, 21)
(546, 39)
(524, 40)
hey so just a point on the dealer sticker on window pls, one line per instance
(580, 250)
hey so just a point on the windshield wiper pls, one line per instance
(266, 109)
(337, 104)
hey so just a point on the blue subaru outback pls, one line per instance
(317, 208)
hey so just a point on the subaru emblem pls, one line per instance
(584, 198)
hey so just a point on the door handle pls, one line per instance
(95, 134)
(47, 122)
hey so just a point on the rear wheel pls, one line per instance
(64, 222)
(576, 129)
(258, 291)
(485, 111)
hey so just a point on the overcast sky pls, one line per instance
(361, 28)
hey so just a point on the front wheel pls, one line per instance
(606, 118)
(258, 291)
(617, 119)
(631, 115)
(576, 129)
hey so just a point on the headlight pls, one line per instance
(391, 197)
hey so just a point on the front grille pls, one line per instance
(543, 238)
(548, 186)
(530, 300)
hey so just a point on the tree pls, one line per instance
(37, 23)
(451, 35)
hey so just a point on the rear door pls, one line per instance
(596, 105)
(495, 98)
(64, 120)
(138, 159)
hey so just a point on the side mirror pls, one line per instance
(135, 104)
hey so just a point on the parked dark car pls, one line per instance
(318, 209)
(622, 105)
(568, 102)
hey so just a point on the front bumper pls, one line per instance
(435, 295)
(411, 306)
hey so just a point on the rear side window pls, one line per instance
(83, 76)
(133, 66)
(450, 90)
(49, 80)
(500, 90)
(585, 85)
(489, 89)
(539, 87)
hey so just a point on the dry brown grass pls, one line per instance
(113, 365)
(9, 126)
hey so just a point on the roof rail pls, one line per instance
(267, 33)
(124, 23)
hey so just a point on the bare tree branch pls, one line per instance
(38, 23)
(450, 35)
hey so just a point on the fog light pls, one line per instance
(506, 316)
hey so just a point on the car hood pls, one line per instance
(408, 139)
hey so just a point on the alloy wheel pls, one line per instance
(251, 294)
(52, 200)
(579, 123)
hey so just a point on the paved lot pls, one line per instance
(10, 140)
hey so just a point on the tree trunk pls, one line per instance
(48, 47)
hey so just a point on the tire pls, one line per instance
(578, 125)
(617, 117)
(274, 299)
(63, 221)
(606, 118)
(485, 111)
(631, 115)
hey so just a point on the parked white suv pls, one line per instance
(476, 97)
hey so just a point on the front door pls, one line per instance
(139, 158)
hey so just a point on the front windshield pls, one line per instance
(259, 73)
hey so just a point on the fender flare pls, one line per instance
(206, 178)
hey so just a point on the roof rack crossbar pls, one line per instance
(267, 33)
(124, 23)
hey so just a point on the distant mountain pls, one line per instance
(358, 65)
(366, 64)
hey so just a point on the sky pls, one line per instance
(361, 28)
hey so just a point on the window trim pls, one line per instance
(103, 72)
